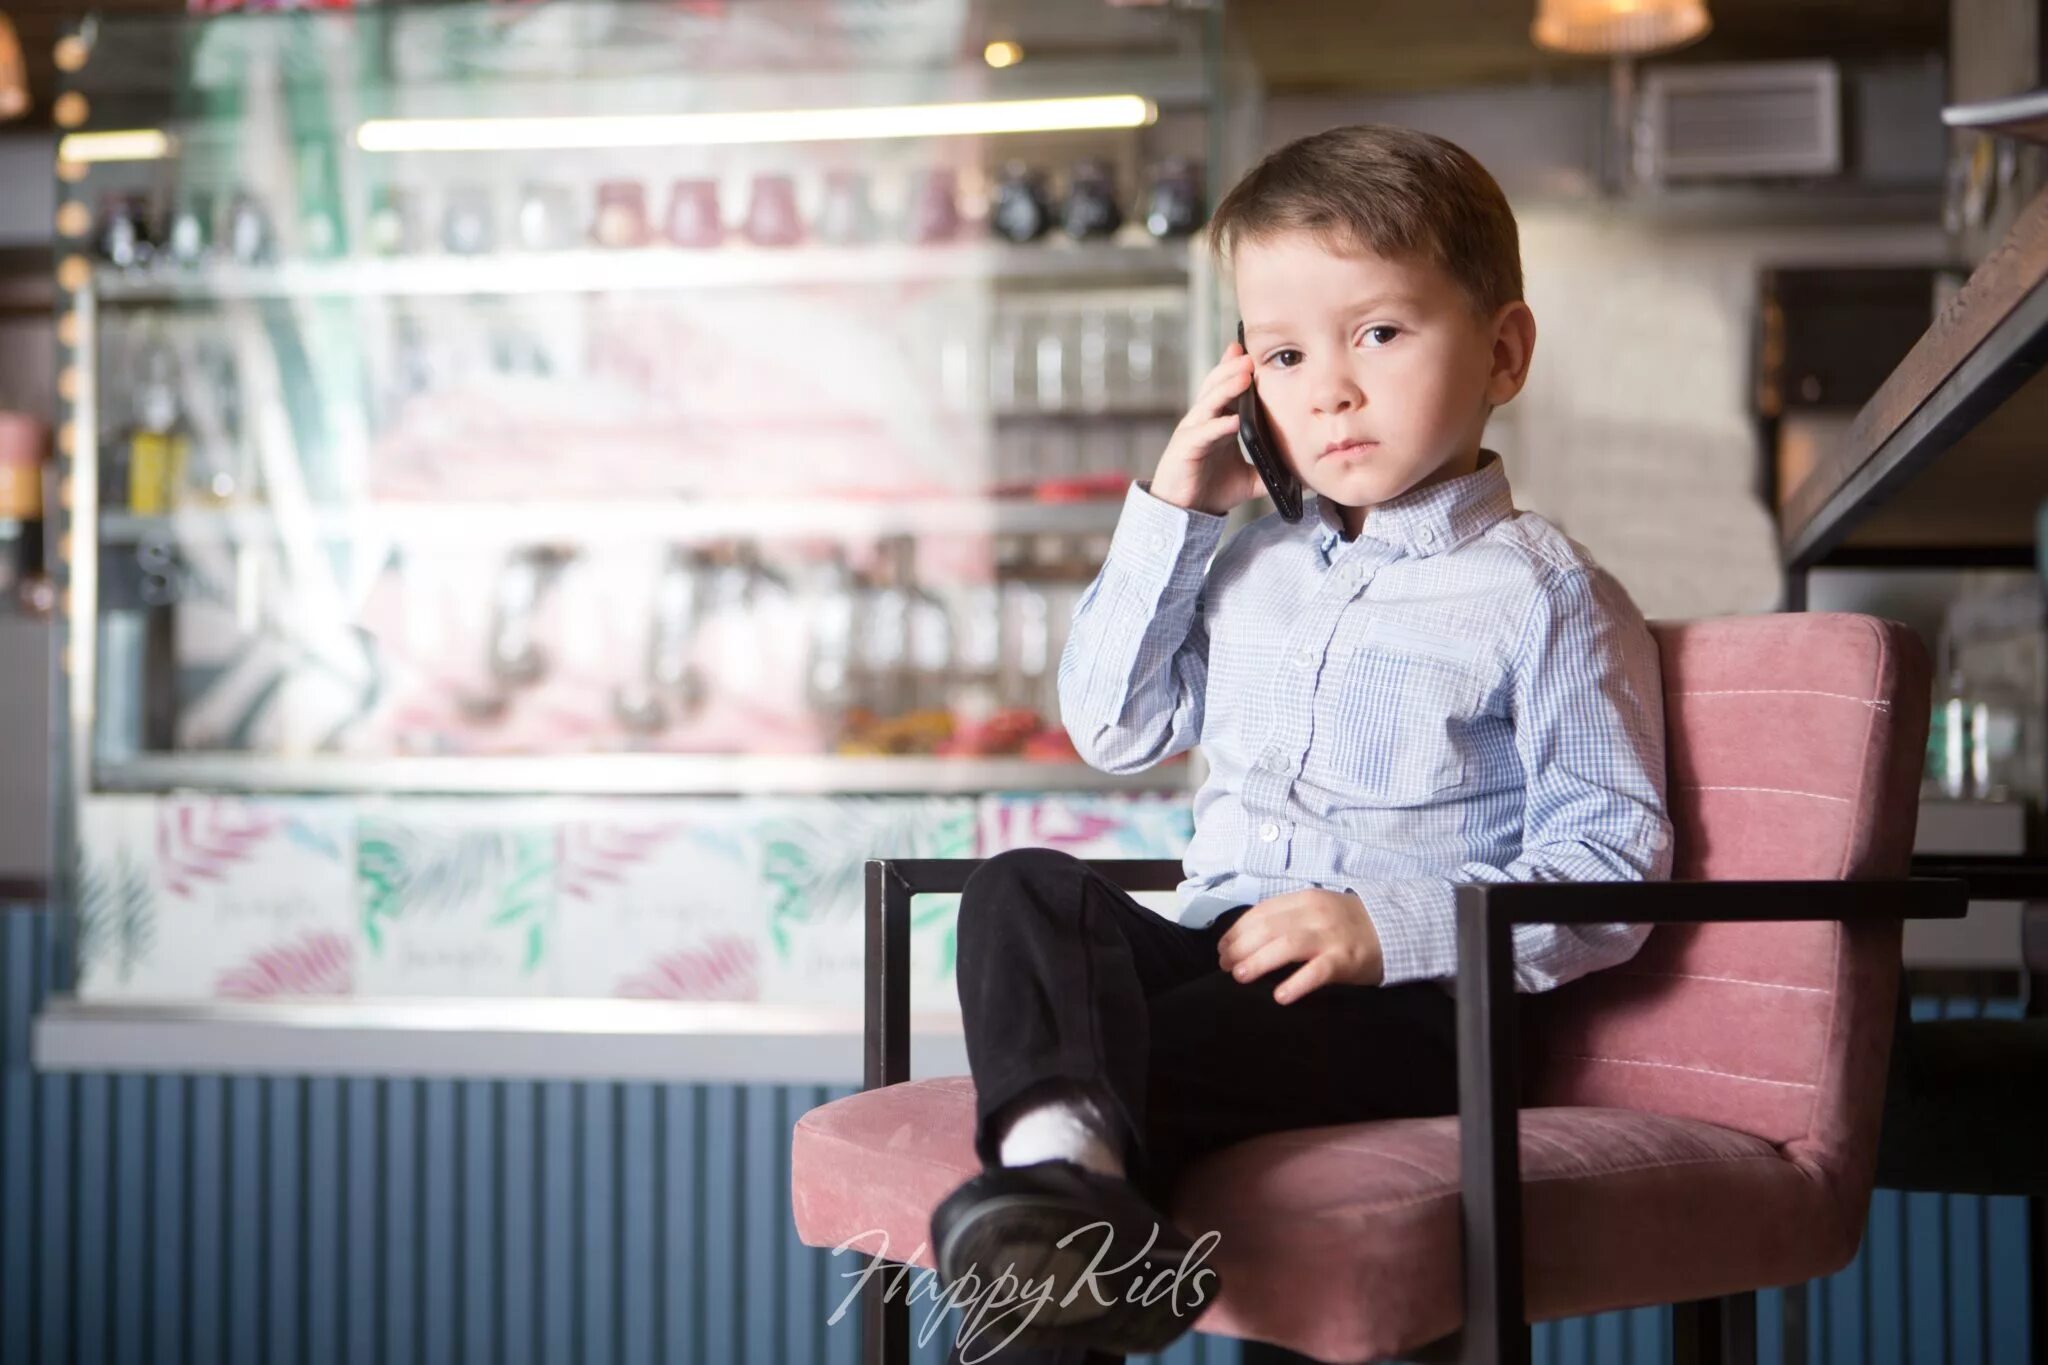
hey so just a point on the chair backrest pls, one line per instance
(1795, 745)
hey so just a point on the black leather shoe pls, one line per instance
(1125, 1279)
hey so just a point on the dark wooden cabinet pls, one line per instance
(1826, 338)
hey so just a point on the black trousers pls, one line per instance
(1068, 985)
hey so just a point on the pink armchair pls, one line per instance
(1695, 1124)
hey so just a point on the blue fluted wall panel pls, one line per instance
(185, 1220)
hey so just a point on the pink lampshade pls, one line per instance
(1618, 28)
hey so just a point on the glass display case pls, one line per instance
(550, 488)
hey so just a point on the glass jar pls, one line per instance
(694, 218)
(621, 219)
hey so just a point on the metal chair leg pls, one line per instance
(885, 1315)
(1792, 1328)
(1714, 1331)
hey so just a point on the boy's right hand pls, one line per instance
(1202, 469)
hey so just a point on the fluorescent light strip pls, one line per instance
(787, 125)
(131, 144)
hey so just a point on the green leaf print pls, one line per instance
(380, 872)
(788, 872)
(815, 867)
(116, 916)
(529, 893)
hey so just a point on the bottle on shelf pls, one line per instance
(1090, 211)
(830, 686)
(932, 213)
(1173, 198)
(1994, 656)
(393, 225)
(220, 468)
(320, 230)
(466, 227)
(250, 240)
(545, 220)
(884, 655)
(621, 219)
(772, 218)
(975, 694)
(672, 686)
(188, 239)
(930, 636)
(846, 218)
(1020, 211)
(159, 444)
(125, 239)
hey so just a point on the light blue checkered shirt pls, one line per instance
(1458, 695)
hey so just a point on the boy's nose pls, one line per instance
(1339, 398)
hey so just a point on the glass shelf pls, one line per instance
(663, 269)
(625, 775)
(495, 524)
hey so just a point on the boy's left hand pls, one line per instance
(1327, 931)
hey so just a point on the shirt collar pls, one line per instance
(1431, 520)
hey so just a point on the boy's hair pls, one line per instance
(1392, 191)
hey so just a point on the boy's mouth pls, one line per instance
(1348, 447)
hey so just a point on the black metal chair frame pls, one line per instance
(1495, 1331)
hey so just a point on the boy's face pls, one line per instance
(1377, 375)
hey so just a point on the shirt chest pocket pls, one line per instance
(1397, 714)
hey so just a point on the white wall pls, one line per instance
(1635, 433)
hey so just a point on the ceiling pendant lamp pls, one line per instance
(1618, 28)
(13, 73)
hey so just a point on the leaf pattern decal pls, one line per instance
(318, 963)
(199, 841)
(814, 864)
(117, 914)
(722, 968)
(594, 855)
(409, 873)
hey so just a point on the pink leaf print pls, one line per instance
(318, 964)
(199, 841)
(722, 968)
(1047, 825)
(593, 855)
(1085, 829)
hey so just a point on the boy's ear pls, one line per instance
(1514, 341)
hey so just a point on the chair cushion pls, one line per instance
(1342, 1242)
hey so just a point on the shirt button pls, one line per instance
(1304, 658)
(1275, 763)
(1426, 536)
(1659, 840)
(1160, 541)
(1269, 832)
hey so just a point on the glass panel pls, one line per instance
(528, 460)
(632, 426)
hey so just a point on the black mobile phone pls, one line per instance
(1255, 442)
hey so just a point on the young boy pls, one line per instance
(1414, 686)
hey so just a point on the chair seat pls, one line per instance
(1342, 1242)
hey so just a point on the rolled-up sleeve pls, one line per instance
(1588, 708)
(1135, 668)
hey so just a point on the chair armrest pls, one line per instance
(891, 882)
(1490, 1193)
(1713, 902)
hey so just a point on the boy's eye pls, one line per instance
(1285, 359)
(1381, 335)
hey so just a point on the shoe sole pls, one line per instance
(1021, 1232)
